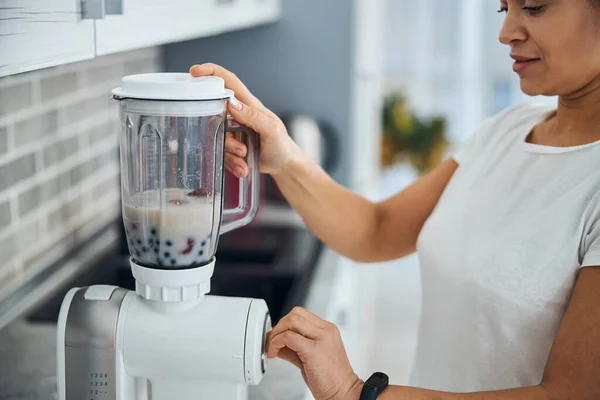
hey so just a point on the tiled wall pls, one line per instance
(59, 157)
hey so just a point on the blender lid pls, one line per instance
(172, 86)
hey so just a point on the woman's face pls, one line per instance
(556, 44)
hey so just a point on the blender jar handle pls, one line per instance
(249, 187)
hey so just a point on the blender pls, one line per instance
(169, 339)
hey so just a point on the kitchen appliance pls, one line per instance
(317, 138)
(169, 339)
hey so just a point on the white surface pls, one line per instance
(172, 86)
(172, 286)
(99, 292)
(37, 34)
(258, 324)
(147, 23)
(61, 381)
(200, 352)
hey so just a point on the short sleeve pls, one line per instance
(590, 246)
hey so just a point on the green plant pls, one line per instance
(406, 136)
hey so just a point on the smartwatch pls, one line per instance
(374, 386)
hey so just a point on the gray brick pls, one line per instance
(65, 181)
(30, 200)
(103, 131)
(27, 238)
(7, 249)
(84, 109)
(59, 85)
(28, 242)
(76, 175)
(74, 207)
(56, 152)
(8, 275)
(32, 129)
(3, 140)
(51, 189)
(106, 186)
(89, 167)
(57, 219)
(16, 97)
(140, 66)
(34, 197)
(17, 170)
(5, 217)
(104, 73)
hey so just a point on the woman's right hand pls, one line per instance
(277, 149)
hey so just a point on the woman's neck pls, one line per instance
(578, 114)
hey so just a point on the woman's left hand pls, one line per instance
(315, 346)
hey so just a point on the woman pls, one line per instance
(507, 231)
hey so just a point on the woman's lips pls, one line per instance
(521, 64)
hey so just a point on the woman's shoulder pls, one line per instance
(510, 123)
(520, 114)
(503, 128)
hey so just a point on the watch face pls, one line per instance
(378, 380)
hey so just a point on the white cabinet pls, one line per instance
(239, 14)
(155, 22)
(36, 34)
(40, 33)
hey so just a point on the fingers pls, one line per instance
(290, 356)
(315, 319)
(231, 82)
(235, 147)
(302, 322)
(254, 119)
(236, 165)
(293, 341)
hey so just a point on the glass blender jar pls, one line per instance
(172, 141)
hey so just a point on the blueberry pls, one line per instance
(201, 253)
(167, 254)
(139, 242)
(169, 243)
(153, 231)
(156, 250)
(203, 243)
(137, 253)
(173, 261)
(158, 242)
(144, 249)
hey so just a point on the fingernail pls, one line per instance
(240, 152)
(235, 103)
(239, 171)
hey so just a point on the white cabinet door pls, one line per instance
(240, 14)
(155, 22)
(40, 33)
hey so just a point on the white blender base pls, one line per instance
(115, 344)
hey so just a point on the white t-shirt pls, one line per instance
(500, 254)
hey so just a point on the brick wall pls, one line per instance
(59, 158)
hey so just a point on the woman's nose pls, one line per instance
(512, 28)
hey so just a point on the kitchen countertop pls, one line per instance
(27, 351)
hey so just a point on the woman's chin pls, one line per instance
(531, 89)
